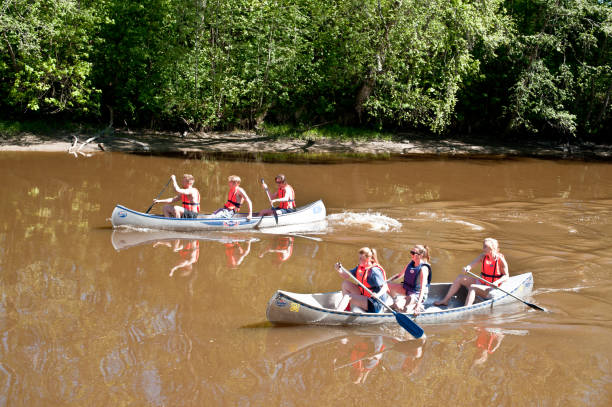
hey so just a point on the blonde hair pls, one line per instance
(280, 177)
(371, 253)
(423, 251)
(492, 243)
(189, 177)
(234, 178)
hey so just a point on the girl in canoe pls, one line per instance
(369, 273)
(410, 295)
(494, 269)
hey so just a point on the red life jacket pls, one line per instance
(232, 203)
(490, 269)
(189, 204)
(287, 191)
(362, 275)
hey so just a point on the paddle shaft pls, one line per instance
(405, 322)
(506, 292)
(158, 195)
(270, 199)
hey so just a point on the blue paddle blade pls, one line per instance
(409, 325)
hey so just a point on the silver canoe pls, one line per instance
(123, 216)
(317, 309)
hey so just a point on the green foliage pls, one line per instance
(536, 67)
(46, 67)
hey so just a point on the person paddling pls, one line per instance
(494, 269)
(284, 197)
(369, 273)
(188, 196)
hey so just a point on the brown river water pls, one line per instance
(92, 316)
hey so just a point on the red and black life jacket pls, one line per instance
(232, 202)
(490, 268)
(190, 204)
(282, 192)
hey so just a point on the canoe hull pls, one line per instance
(317, 309)
(126, 217)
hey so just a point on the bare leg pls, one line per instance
(168, 211)
(474, 289)
(356, 299)
(461, 280)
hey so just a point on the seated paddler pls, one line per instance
(371, 274)
(187, 195)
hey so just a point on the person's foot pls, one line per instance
(441, 303)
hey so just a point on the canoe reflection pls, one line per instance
(355, 353)
(122, 239)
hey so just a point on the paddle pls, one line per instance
(270, 199)
(158, 195)
(404, 321)
(504, 291)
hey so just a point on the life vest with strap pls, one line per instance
(232, 203)
(189, 203)
(287, 191)
(412, 277)
(490, 269)
(362, 273)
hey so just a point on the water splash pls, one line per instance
(373, 221)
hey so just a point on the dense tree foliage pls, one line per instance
(520, 66)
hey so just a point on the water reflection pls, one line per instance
(236, 252)
(348, 354)
(486, 340)
(188, 251)
(282, 246)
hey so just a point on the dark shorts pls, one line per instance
(189, 214)
(285, 210)
(375, 306)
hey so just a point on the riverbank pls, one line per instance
(241, 142)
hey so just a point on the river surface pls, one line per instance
(92, 316)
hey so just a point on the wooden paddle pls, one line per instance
(404, 321)
(504, 291)
(270, 199)
(158, 195)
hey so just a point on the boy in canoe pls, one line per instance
(188, 196)
(285, 197)
(235, 198)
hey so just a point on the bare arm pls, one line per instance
(178, 189)
(243, 193)
(503, 270)
(474, 262)
(167, 200)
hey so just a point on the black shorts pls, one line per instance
(283, 210)
(189, 214)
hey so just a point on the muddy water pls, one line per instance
(92, 316)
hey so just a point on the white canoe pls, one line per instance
(317, 309)
(123, 216)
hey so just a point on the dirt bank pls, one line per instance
(404, 145)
